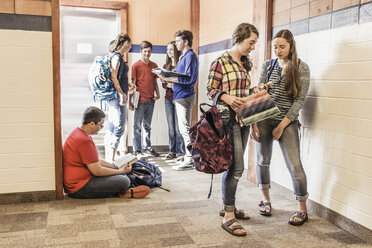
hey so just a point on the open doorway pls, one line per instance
(60, 95)
(85, 34)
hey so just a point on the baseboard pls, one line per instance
(27, 197)
(335, 218)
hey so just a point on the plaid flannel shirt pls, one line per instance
(227, 75)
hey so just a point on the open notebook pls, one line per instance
(127, 158)
(168, 73)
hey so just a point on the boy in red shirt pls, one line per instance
(146, 84)
(85, 176)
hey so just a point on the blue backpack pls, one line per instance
(99, 78)
(144, 173)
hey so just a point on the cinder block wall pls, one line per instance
(26, 97)
(335, 39)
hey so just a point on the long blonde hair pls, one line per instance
(292, 78)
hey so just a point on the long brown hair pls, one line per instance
(243, 31)
(176, 56)
(118, 42)
(292, 78)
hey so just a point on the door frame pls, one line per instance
(98, 4)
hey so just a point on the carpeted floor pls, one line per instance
(183, 217)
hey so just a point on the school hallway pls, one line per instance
(183, 217)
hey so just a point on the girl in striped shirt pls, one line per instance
(291, 78)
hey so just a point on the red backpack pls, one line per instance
(209, 144)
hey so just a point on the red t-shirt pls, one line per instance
(145, 79)
(78, 151)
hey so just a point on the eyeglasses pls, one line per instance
(99, 125)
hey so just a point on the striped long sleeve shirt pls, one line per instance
(289, 107)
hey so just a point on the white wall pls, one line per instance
(26, 110)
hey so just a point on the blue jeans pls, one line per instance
(142, 122)
(290, 146)
(176, 144)
(100, 187)
(239, 139)
(184, 110)
(116, 121)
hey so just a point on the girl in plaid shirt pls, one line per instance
(230, 73)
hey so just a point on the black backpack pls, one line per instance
(144, 173)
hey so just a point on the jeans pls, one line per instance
(142, 122)
(176, 144)
(116, 121)
(184, 110)
(290, 146)
(100, 187)
(239, 139)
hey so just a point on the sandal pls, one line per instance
(300, 215)
(239, 214)
(230, 228)
(265, 208)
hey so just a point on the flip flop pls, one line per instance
(230, 228)
(239, 214)
(300, 215)
(266, 206)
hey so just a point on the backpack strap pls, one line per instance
(216, 98)
(270, 69)
(210, 188)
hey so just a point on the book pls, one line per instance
(135, 99)
(127, 158)
(167, 73)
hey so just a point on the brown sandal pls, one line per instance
(239, 214)
(230, 228)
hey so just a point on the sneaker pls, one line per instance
(170, 156)
(137, 192)
(187, 165)
(151, 152)
(137, 153)
(180, 158)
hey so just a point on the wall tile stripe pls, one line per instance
(360, 13)
(155, 49)
(25, 22)
(348, 16)
(217, 46)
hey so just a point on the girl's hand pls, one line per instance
(233, 101)
(277, 132)
(123, 99)
(255, 133)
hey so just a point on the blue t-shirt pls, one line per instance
(189, 65)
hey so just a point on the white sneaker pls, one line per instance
(186, 165)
